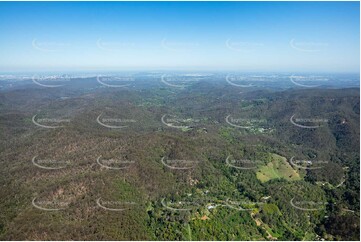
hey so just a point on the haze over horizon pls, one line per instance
(209, 36)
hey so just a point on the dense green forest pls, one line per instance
(203, 162)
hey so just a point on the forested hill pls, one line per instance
(206, 161)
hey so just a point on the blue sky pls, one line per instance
(243, 36)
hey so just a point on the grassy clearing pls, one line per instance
(276, 169)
